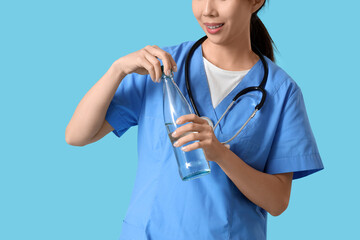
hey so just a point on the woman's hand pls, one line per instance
(144, 61)
(211, 146)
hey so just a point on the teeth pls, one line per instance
(213, 27)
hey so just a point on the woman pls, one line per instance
(247, 181)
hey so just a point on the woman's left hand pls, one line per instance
(200, 131)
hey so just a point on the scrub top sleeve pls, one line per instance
(294, 148)
(125, 107)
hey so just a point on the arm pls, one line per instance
(90, 113)
(88, 122)
(271, 192)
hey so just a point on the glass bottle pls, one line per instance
(191, 164)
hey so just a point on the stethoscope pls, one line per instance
(241, 93)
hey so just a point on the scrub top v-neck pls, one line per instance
(278, 139)
(221, 82)
(201, 91)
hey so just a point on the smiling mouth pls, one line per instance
(216, 26)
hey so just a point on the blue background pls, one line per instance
(52, 53)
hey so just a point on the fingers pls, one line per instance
(191, 118)
(194, 136)
(166, 58)
(173, 63)
(155, 69)
(202, 133)
(190, 127)
(200, 138)
(149, 67)
(148, 62)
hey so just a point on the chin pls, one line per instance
(215, 39)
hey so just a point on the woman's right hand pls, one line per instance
(145, 61)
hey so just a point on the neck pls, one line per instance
(235, 55)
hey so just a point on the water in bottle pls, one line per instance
(191, 164)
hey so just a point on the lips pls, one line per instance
(213, 27)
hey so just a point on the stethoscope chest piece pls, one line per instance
(227, 145)
(209, 121)
(212, 125)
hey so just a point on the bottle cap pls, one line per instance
(171, 72)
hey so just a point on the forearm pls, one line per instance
(265, 190)
(90, 113)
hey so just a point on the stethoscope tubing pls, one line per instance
(260, 88)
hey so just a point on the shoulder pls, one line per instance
(179, 47)
(179, 51)
(279, 81)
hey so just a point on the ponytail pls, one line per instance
(260, 37)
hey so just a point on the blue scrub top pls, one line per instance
(278, 139)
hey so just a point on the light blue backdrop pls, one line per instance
(53, 52)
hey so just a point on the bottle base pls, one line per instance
(196, 175)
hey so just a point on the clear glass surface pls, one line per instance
(191, 164)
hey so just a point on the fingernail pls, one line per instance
(178, 121)
(175, 68)
(168, 72)
(173, 134)
(176, 144)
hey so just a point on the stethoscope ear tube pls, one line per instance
(250, 89)
(260, 88)
(237, 133)
(262, 99)
(187, 66)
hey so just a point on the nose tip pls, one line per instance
(209, 14)
(209, 9)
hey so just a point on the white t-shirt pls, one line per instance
(221, 82)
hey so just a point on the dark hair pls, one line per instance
(260, 37)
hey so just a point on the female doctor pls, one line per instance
(247, 181)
